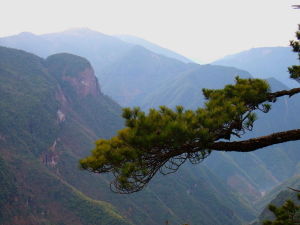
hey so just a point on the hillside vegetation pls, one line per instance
(32, 191)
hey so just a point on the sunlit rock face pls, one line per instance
(85, 83)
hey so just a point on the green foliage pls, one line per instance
(285, 214)
(7, 187)
(164, 139)
(295, 70)
(28, 104)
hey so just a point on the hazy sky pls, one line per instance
(200, 29)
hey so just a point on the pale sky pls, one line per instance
(202, 30)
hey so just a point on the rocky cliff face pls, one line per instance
(38, 119)
(87, 83)
(75, 72)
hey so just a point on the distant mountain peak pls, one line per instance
(27, 34)
(82, 31)
(153, 47)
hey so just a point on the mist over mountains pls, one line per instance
(153, 47)
(61, 110)
(264, 63)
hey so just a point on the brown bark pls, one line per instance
(257, 143)
(283, 93)
(296, 190)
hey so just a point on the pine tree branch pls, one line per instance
(257, 143)
(277, 94)
(296, 190)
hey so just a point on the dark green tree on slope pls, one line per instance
(164, 139)
(287, 214)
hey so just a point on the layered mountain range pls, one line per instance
(223, 190)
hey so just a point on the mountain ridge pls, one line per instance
(264, 62)
(153, 47)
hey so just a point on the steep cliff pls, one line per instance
(35, 109)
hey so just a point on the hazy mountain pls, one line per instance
(98, 48)
(53, 111)
(137, 73)
(264, 63)
(127, 72)
(153, 47)
(186, 88)
(115, 62)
